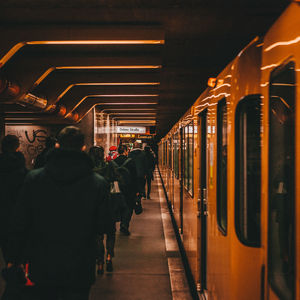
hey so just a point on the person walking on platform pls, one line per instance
(129, 191)
(12, 175)
(61, 209)
(41, 158)
(112, 154)
(139, 158)
(104, 169)
(150, 166)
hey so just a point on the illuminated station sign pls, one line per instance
(127, 129)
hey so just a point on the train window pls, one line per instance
(281, 233)
(185, 157)
(222, 166)
(165, 153)
(248, 171)
(176, 155)
(188, 149)
(191, 156)
(170, 154)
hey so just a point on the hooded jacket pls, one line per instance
(139, 157)
(62, 208)
(12, 174)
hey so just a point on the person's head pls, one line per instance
(122, 150)
(113, 148)
(50, 142)
(147, 149)
(10, 143)
(71, 138)
(137, 145)
(96, 153)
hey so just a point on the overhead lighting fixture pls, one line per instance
(133, 109)
(123, 95)
(50, 70)
(128, 103)
(109, 67)
(98, 42)
(137, 122)
(107, 84)
(134, 114)
(18, 46)
(113, 96)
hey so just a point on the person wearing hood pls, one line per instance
(139, 158)
(41, 158)
(12, 174)
(61, 210)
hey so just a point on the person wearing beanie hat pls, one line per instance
(112, 154)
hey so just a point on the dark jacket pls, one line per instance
(12, 175)
(62, 208)
(150, 163)
(40, 160)
(139, 158)
(132, 190)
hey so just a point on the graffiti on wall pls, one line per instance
(32, 140)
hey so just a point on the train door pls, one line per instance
(281, 190)
(181, 178)
(202, 201)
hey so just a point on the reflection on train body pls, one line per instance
(231, 168)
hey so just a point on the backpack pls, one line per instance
(122, 176)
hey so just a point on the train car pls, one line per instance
(230, 169)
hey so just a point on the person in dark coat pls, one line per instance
(139, 158)
(61, 209)
(104, 169)
(130, 193)
(150, 166)
(12, 175)
(40, 160)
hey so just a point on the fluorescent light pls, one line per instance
(123, 95)
(98, 42)
(109, 67)
(107, 84)
(20, 45)
(50, 70)
(133, 114)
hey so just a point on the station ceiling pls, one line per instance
(139, 60)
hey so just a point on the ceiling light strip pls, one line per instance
(98, 42)
(123, 95)
(108, 96)
(109, 67)
(107, 84)
(20, 45)
(50, 70)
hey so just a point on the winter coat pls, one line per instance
(40, 160)
(12, 175)
(139, 158)
(150, 163)
(132, 189)
(61, 209)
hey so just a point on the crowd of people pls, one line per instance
(56, 217)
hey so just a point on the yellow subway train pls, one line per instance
(231, 169)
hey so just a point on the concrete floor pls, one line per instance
(140, 263)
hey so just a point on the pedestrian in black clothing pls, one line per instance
(61, 209)
(130, 192)
(103, 168)
(12, 175)
(40, 160)
(139, 158)
(150, 166)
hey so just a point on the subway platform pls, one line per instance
(147, 264)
